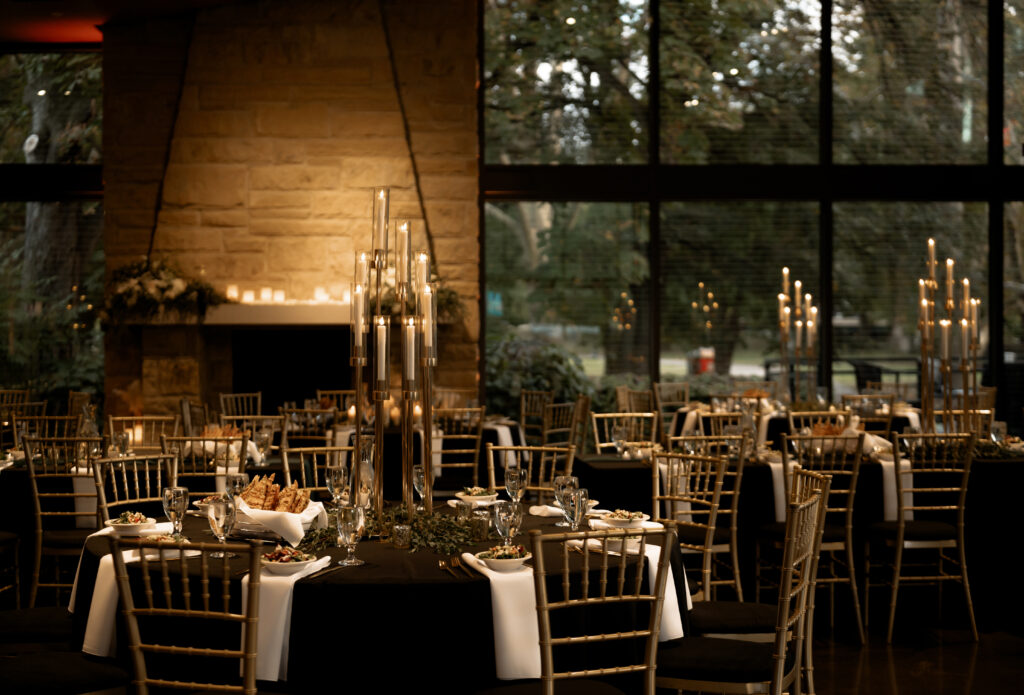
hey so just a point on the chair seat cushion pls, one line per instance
(569, 686)
(723, 660)
(58, 673)
(916, 530)
(695, 535)
(66, 538)
(49, 624)
(732, 617)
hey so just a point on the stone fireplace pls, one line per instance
(241, 144)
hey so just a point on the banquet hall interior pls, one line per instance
(434, 239)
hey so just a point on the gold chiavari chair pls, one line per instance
(818, 421)
(312, 462)
(567, 423)
(271, 425)
(461, 431)
(977, 422)
(543, 465)
(641, 429)
(13, 396)
(838, 457)
(7, 413)
(686, 490)
(132, 483)
(45, 426)
(875, 411)
(241, 403)
(739, 666)
(199, 460)
(609, 578)
(669, 397)
(720, 424)
(194, 417)
(174, 598)
(64, 501)
(736, 449)
(145, 430)
(455, 397)
(78, 400)
(339, 399)
(531, 414)
(931, 489)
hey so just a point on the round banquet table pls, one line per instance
(398, 620)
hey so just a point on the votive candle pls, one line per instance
(232, 292)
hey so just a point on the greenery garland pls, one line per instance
(147, 290)
(440, 533)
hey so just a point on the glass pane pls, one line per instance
(739, 82)
(565, 83)
(737, 249)
(50, 108)
(1013, 67)
(881, 250)
(910, 81)
(1013, 283)
(572, 274)
(51, 282)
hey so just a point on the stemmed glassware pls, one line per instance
(578, 501)
(620, 434)
(175, 501)
(336, 478)
(221, 514)
(262, 440)
(362, 497)
(235, 483)
(516, 481)
(419, 483)
(508, 518)
(121, 443)
(350, 527)
(564, 485)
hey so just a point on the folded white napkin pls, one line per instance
(889, 505)
(513, 607)
(545, 510)
(671, 624)
(99, 630)
(291, 527)
(778, 487)
(276, 618)
(872, 442)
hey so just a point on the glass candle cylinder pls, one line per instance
(359, 322)
(381, 205)
(428, 324)
(403, 254)
(380, 325)
(409, 355)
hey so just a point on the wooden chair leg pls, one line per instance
(34, 589)
(897, 568)
(853, 591)
(967, 590)
(734, 551)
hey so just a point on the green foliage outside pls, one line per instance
(516, 364)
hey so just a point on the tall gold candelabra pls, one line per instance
(800, 315)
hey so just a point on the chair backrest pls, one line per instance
(241, 403)
(567, 423)
(461, 430)
(44, 426)
(875, 411)
(756, 388)
(933, 476)
(720, 424)
(837, 456)
(128, 483)
(531, 414)
(194, 416)
(201, 459)
(78, 400)
(339, 399)
(272, 424)
(543, 464)
(641, 429)
(629, 400)
(736, 449)
(7, 413)
(63, 487)
(803, 534)
(818, 421)
(977, 422)
(985, 399)
(455, 397)
(307, 426)
(174, 583)
(606, 579)
(312, 462)
(686, 489)
(13, 396)
(670, 396)
(145, 430)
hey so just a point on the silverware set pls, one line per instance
(452, 563)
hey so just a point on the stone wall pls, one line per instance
(289, 115)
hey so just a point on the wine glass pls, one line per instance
(175, 501)
(221, 514)
(336, 477)
(620, 434)
(262, 440)
(578, 501)
(419, 483)
(508, 518)
(121, 443)
(515, 482)
(366, 448)
(564, 484)
(350, 528)
(235, 483)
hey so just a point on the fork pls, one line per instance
(456, 561)
(443, 564)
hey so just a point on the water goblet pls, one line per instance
(336, 478)
(620, 434)
(121, 443)
(515, 482)
(350, 528)
(262, 439)
(175, 501)
(564, 484)
(235, 483)
(221, 515)
(578, 502)
(419, 483)
(503, 519)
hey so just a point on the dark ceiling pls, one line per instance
(77, 21)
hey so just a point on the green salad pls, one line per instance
(504, 552)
